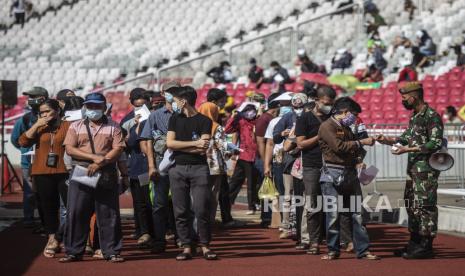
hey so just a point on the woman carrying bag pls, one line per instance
(48, 169)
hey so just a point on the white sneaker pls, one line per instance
(250, 212)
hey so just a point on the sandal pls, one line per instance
(184, 256)
(369, 256)
(332, 255)
(52, 247)
(210, 255)
(70, 259)
(350, 247)
(314, 250)
(115, 259)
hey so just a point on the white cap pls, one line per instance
(245, 104)
(286, 96)
(341, 51)
(419, 34)
(301, 52)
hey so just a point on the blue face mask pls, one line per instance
(176, 108)
(349, 120)
(94, 115)
(168, 97)
(284, 110)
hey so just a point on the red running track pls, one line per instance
(246, 251)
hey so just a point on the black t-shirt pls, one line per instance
(189, 129)
(308, 125)
(255, 74)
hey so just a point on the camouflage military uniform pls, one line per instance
(426, 132)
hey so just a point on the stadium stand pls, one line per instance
(159, 35)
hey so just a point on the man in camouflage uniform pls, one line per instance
(422, 138)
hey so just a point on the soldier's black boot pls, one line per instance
(424, 250)
(415, 239)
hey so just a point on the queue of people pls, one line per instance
(176, 164)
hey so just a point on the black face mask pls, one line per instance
(52, 122)
(408, 105)
(35, 103)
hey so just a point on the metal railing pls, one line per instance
(184, 63)
(293, 32)
(123, 82)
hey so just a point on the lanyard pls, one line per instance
(52, 135)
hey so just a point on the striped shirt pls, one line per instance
(106, 137)
(157, 122)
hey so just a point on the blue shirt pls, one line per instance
(286, 122)
(19, 128)
(137, 161)
(157, 121)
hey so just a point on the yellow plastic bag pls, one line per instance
(267, 190)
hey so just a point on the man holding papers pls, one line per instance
(94, 143)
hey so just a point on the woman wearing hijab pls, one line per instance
(215, 153)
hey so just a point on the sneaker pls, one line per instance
(250, 212)
(98, 254)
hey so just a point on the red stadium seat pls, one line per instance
(456, 92)
(386, 107)
(252, 86)
(289, 87)
(456, 101)
(298, 87)
(442, 100)
(365, 115)
(377, 116)
(389, 100)
(442, 84)
(207, 86)
(430, 98)
(390, 115)
(376, 100)
(442, 92)
(456, 84)
(240, 86)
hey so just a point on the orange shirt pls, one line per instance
(42, 140)
(106, 136)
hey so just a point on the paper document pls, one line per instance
(80, 175)
(367, 175)
(144, 179)
(73, 115)
(144, 113)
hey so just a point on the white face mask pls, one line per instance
(94, 115)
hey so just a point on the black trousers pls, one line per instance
(315, 218)
(49, 188)
(224, 200)
(244, 170)
(299, 189)
(142, 207)
(83, 201)
(192, 194)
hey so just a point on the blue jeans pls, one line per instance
(28, 197)
(161, 189)
(360, 234)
